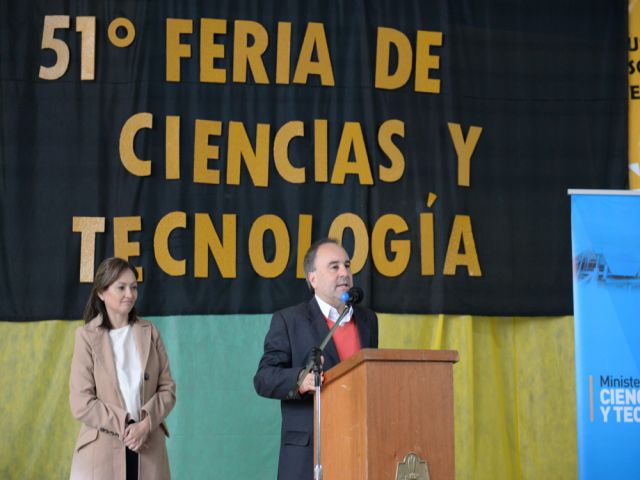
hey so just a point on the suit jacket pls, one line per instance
(95, 399)
(293, 333)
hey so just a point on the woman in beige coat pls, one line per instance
(120, 385)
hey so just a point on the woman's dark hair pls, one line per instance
(107, 273)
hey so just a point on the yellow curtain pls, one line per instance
(514, 389)
(37, 429)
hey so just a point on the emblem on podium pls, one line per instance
(412, 468)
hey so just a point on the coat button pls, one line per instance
(146, 376)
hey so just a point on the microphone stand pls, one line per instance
(314, 364)
(317, 468)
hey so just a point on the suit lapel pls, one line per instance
(363, 327)
(319, 323)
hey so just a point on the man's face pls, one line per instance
(332, 275)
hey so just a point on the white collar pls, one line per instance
(332, 314)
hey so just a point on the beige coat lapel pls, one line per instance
(142, 337)
(104, 354)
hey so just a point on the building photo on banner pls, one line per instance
(167, 167)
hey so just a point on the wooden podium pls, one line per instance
(379, 406)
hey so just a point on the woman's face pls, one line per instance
(120, 297)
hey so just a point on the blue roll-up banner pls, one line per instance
(606, 295)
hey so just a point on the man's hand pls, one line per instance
(309, 383)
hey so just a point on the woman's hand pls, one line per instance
(136, 434)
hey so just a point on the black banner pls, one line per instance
(211, 143)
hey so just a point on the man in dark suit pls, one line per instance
(294, 332)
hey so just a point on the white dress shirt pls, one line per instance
(332, 314)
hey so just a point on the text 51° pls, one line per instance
(121, 34)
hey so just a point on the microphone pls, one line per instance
(353, 296)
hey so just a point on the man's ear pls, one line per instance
(311, 278)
